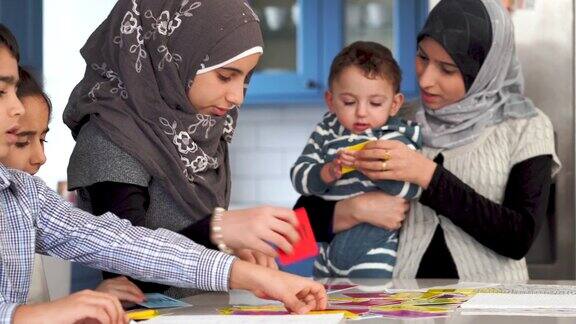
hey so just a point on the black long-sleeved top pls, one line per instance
(508, 228)
(131, 202)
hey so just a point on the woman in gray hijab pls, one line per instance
(153, 117)
(486, 165)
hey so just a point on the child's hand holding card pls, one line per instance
(354, 148)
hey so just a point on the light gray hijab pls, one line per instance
(496, 94)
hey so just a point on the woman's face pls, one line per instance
(27, 154)
(215, 92)
(439, 78)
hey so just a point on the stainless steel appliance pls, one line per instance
(546, 45)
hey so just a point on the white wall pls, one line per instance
(432, 3)
(267, 142)
(67, 25)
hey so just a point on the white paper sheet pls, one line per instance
(249, 319)
(536, 289)
(520, 301)
(521, 312)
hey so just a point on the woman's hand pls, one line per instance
(299, 295)
(86, 306)
(256, 257)
(393, 160)
(375, 208)
(122, 288)
(259, 228)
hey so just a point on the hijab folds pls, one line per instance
(141, 61)
(478, 35)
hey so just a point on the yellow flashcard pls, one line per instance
(356, 147)
(347, 314)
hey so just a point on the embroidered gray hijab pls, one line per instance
(141, 61)
(494, 94)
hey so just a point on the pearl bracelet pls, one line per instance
(216, 230)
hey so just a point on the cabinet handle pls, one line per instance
(311, 84)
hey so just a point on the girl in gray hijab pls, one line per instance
(487, 160)
(153, 117)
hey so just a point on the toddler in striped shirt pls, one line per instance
(363, 99)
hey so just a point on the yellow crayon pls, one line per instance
(143, 314)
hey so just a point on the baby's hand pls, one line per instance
(346, 158)
(331, 171)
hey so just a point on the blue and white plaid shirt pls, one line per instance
(33, 218)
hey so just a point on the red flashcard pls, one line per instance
(306, 247)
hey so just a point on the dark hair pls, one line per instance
(28, 87)
(372, 58)
(7, 39)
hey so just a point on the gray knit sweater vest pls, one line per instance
(484, 165)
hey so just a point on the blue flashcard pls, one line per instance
(155, 300)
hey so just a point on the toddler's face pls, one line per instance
(361, 103)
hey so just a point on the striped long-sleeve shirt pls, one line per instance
(33, 218)
(323, 145)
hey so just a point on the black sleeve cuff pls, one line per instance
(199, 232)
(321, 215)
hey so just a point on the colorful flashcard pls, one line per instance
(368, 295)
(356, 147)
(258, 310)
(279, 310)
(436, 302)
(368, 303)
(406, 313)
(156, 300)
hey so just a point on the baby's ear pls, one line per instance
(329, 99)
(397, 102)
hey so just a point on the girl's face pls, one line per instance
(215, 92)
(27, 154)
(439, 78)
(11, 108)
